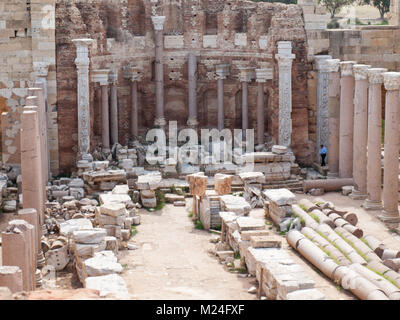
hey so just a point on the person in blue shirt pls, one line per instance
(322, 152)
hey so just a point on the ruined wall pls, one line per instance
(241, 33)
(27, 51)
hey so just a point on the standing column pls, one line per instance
(360, 132)
(113, 77)
(133, 75)
(246, 75)
(262, 75)
(322, 102)
(101, 76)
(374, 164)
(334, 111)
(284, 58)
(390, 211)
(82, 63)
(222, 71)
(346, 120)
(192, 84)
(158, 22)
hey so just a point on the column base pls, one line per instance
(41, 261)
(357, 195)
(372, 205)
(192, 122)
(160, 122)
(389, 216)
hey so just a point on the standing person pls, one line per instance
(322, 152)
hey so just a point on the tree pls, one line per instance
(333, 6)
(382, 5)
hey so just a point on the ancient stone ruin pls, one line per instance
(121, 116)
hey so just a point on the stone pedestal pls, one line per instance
(192, 86)
(284, 58)
(360, 132)
(346, 119)
(390, 211)
(262, 75)
(82, 64)
(30, 215)
(334, 114)
(11, 277)
(158, 22)
(113, 78)
(101, 76)
(374, 171)
(222, 71)
(322, 102)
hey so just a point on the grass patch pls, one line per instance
(198, 225)
(237, 255)
(351, 243)
(334, 244)
(134, 231)
(384, 276)
(314, 217)
(302, 206)
(365, 241)
(190, 215)
(160, 202)
(324, 250)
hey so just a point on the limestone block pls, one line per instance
(103, 263)
(103, 219)
(109, 198)
(179, 204)
(252, 177)
(279, 149)
(248, 223)
(235, 204)
(223, 183)
(149, 181)
(125, 234)
(76, 183)
(307, 294)
(147, 194)
(89, 236)
(210, 41)
(126, 164)
(280, 196)
(113, 209)
(77, 193)
(68, 227)
(10, 206)
(265, 242)
(58, 258)
(172, 197)
(100, 165)
(197, 183)
(246, 235)
(88, 250)
(113, 230)
(121, 189)
(11, 277)
(149, 202)
(111, 284)
(107, 185)
(111, 244)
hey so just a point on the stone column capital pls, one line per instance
(132, 73)
(100, 76)
(391, 80)
(360, 71)
(262, 75)
(346, 68)
(161, 122)
(332, 65)
(375, 75)
(113, 77)
(247, 74)
(82, 52)
(320, 63)
(222, 70)
(158, 22)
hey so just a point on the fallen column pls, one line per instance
(327, 184)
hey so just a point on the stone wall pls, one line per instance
(27, 51)
(241, 33)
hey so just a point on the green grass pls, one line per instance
(134, 231)
(237, 255)
(384, 276)
(351, 243)
(383, 23)
(303, 207)
(190, 215)
(324, 250)
(160, 202)
(198, 225)
(314, 217)
(334, 244)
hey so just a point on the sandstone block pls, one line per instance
(88, 250)
(58, 258)
(252, 177)
(280, 196)
(197, 183)
(223, 183)
(90, 236)
(265, 242)
(11, 277)
(103, 263)
(113, 209)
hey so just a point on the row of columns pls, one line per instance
(355, 130)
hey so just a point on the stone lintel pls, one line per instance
(332, 65)
(360, 71)
(320, 62)
(262, 75)
(100, 76)
(247, 74)
(222, 70)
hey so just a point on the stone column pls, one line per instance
(322, 102)
(158, 22)
(101, 76)
(284, 58)
(222, 71)
(246, 75)
(334, 112)
(360, 132)
(346, 119)
(262, 75)
(82, 62)
(390, 211)
(113, 78)
(134, 76)
(192, 84)
(374, 164)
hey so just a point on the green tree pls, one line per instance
(333, 6)
(382, 5)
